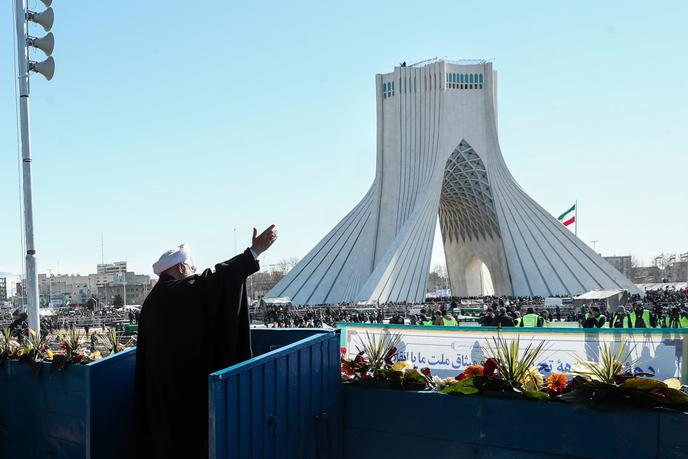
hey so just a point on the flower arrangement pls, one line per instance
(510, 371)
(61, 351)
(376, 365)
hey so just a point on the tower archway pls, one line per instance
(478, 278)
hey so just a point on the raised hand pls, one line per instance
(263, 241)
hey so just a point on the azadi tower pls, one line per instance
(438, 155)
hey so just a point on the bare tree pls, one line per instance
(286, 264)
(440, 269)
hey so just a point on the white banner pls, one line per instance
(448, 351)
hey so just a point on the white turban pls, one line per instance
(172, 258)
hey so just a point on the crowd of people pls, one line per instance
(63, 319)
(658, 309)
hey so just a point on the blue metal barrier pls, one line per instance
(393, 423)
(72, 413)
(264, 340)
(283, 403)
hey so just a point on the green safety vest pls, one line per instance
(517, 322)
(682, 322)
(646, 318)
(427, 322)
(449, 322)
(613, 321)
(529, 320)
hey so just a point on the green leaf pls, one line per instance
(676, 396)
(536, 395)
(412, 380)
(645, 384)
(464, 387)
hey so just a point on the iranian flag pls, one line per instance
(568, 217)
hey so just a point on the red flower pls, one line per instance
(425, 371)
(346, 369)
(63, 345)
(490, 367)
(470, 371)
(557, 383)
(342, 350)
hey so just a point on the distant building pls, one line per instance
(623, 264)
(646, 275)
(60, 289)
(106, 272)
(111, 268)
(135, 293)
(261, 282)
(679, 271)
(3, 289)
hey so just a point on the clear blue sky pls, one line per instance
(179, 121)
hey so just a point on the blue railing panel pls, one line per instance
(278, 404)
(293, 437)
(111, 383)
(73, 413)
(264, 340)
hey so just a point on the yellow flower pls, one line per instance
(95, 355)
(673, 383)
(402, 366)
(532, 379)
(49, 355)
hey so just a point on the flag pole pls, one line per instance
(576, 229)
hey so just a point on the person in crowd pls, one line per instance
(641, 317)
(595, 319)
(449, 321)
(502, 319)
(171, 402)
(675, 319)
(424, 320)
(487, 318)
(437, 318)
(531, 319)
(517, 318)
(620, 318)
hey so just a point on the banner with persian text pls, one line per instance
(447, 351)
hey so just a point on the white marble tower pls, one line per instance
(438, 155)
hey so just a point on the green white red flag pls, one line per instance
(568, 217)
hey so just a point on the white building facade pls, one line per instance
(438, 154)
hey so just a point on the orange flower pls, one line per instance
(470, 371)
(557, 382)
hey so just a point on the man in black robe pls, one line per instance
(190, 326)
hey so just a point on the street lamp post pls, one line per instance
(47, 69)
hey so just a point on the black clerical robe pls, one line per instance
(188, 329)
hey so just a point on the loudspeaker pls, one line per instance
(45, 44)
(44, 18)
(47, 3)
(45, 68)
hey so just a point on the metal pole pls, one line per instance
(576, 229)
(125, 287)
(23, 71)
